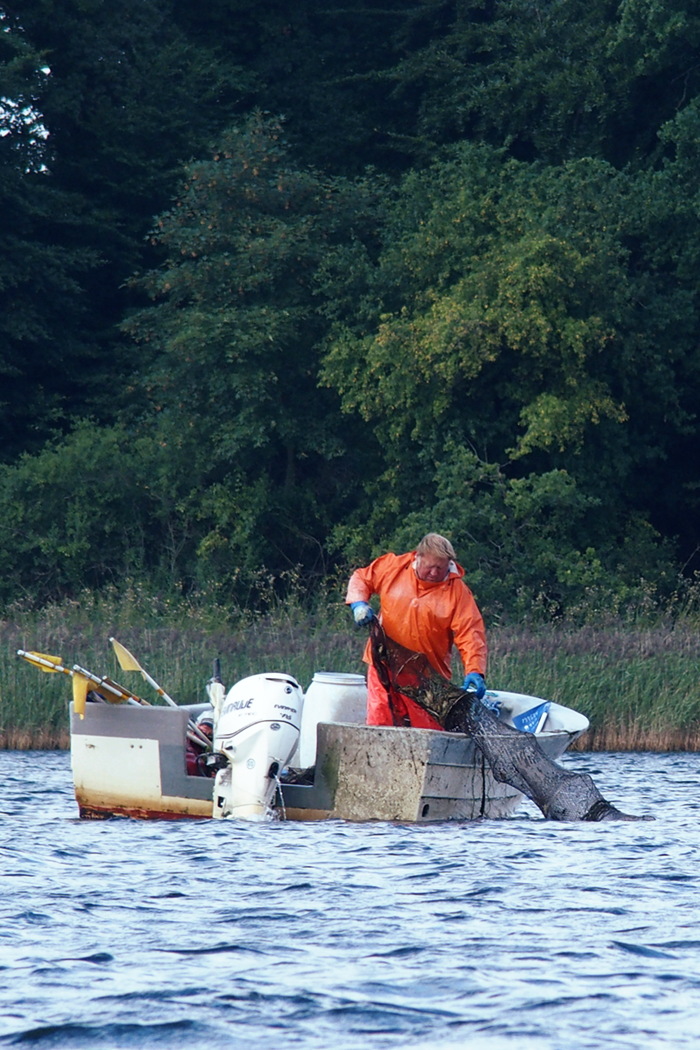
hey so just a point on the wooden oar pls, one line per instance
(82, 679)
(128, 662)
(115, 693)
(43, 661)
(52, 664)
(122, 695)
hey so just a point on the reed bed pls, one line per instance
(177, 651)
(638, 685)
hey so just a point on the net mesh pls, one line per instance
(513, 757)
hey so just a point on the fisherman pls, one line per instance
(427, 607)
(196, 752)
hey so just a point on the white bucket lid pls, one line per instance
(338, 678)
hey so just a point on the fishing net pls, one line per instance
(513, 757)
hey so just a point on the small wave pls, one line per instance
(399, 953)
(213, 949)
(679, 944)
(154, 995)
(642, 949)
(107, 1037)
(37, 918)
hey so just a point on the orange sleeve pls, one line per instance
(469, 633)
(359, 587)
(371, 579)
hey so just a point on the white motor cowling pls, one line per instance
(258, 730)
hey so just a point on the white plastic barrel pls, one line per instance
(331, 697)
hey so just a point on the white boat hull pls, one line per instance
(130, 761)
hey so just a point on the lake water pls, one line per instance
(502, 935)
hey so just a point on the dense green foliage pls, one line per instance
(282, 287)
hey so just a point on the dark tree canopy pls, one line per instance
(303, 282)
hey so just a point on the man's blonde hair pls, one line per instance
(440, 546)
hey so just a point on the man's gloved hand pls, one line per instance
(362, 613)
(474, 683)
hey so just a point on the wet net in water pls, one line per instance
(513, 757)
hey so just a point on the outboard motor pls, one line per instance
(258, 731)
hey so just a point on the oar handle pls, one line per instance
(42, 662)
(158, 688)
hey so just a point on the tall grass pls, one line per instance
(638, 685)
(174, 642)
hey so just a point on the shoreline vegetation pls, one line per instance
(637, 683)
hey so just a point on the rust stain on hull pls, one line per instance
(97, 813)
(94, 808)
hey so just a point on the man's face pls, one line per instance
(431, 568)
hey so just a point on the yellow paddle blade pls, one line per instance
(108, 690)
(43, 661)
(80, 691)
(127, 662)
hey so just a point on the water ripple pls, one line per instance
(492, 935)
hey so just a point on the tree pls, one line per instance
(43, 348)
(235, 333)
(510, 326)
(664, 232)
(322, 67)
(120, 99)
(550, 82)
(85, 512)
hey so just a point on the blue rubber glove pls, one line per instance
(474, 683)
(362, 612)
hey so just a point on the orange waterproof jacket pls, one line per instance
(427, 617)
